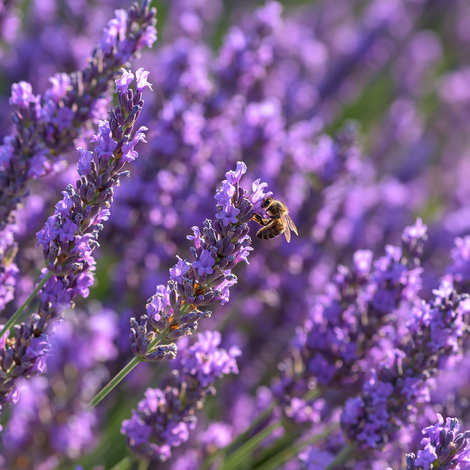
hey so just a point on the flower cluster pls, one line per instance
(50, 419)
(46, 126)
(194, 18)
(401, 381)
(69, 236)
(315, 459)
(246, 56)
(349, 346)
(343, 331)
(66, 105)
(442, 446)
(164, 417)
(205, 280)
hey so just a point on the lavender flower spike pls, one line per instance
(443, 446)
(198, 284)
(164, 417)
(394, 390)
(46, 126)
(70, 236)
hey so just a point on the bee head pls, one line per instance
(267, 202)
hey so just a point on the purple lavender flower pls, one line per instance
(50, 421)
(193, 18)
(247, 54)
(216, 436)
(164, 417)
(442, 446)
(48, 125)
(342, 332)
(69, 237)
(315, 459)
(205, 262)
(459, 269)
(245, 101)
(141, 76)
(22, 95)
(82, 92)
(400, 383)
(122, 84)
(176, 308)
(8, 20)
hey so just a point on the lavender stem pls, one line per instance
(124, 372)
(242, 453)
(143, 464)
(123, 464)
(129, 367)
(286, 454)
(16, 316)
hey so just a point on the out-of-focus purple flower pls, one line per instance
(343, 328)
(50, 421)
(413, 237)
(164, 417)
(114, 32)
(315, 459)
(247, 54)
(61, 84)
(459, 269)
(188, 461)
(216, 436)
(22, 95)
(400, 383)
(193, 18)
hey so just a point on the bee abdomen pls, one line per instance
(266, 233)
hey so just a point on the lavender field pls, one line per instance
(235, 235)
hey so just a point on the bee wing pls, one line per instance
(291, 224)
(286, 228)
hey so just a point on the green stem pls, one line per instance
(235, 460)
(143, 464)
(287, 454)
(289, 451)
(15, 317)
(244, 434)
(124, 464)
(278, 446)
(342, 457)
(124, 372)
(115, 381)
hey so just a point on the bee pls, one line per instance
(278, 221)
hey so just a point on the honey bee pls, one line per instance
(278, 221)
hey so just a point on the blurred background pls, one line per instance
(355, 112)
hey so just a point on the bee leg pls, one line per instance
(257, 218)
